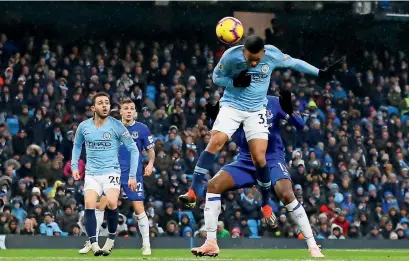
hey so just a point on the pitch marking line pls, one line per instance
(148, 258)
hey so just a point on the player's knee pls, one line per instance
(138, 207)
(112, 203)
(287, 196)
(259, 159)
(214, 187)
(216, 142)
(90, 203)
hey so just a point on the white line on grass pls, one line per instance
(146, 258)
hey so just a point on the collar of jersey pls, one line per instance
(132, 124)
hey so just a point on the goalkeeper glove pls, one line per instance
(211, 111)
(327, 74)
(285, 101)
(242, 80)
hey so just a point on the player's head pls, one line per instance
(254, 50)
(127, 110)
(101, 104)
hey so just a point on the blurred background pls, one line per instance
(349, 165)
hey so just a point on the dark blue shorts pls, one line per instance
(243, 172)
(137, 195)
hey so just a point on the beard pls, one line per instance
(101, 115)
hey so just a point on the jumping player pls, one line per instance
(241, 173)
(245, 72)
(144, 140)
(102, 136)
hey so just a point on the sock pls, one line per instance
(143, 227)
(264, 182)
(298, 214)
(90, 224)
(99, 215)
(204, 164)
(211, 213)
(112, 222)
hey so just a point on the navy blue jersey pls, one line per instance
(144, 140)
(275, 150)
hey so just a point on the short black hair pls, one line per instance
(254, 44)
(100, 94)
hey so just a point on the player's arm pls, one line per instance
(282, 60)
(222, 74)
(148, 141)
(291, 116)
(77, 147)
(129, 143)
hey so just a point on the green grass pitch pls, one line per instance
(225, 255)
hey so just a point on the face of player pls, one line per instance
(253, 59)
(102, 107)
(128, 112)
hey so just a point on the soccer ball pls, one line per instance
(229, 30)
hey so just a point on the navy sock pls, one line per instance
(203, 166)
(112, 222)
(90, 224)
(264, 182)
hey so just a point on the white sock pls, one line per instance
(298, 214)
(143, 226)
(211, 213)
(99, 215)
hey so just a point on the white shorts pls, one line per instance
(255, 123)
(102, 183)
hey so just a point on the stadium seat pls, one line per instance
(392, 110)
(151, 92)
(189, 176)
(253, 226)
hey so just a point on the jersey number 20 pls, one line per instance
(115, 180)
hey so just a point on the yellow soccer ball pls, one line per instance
(229, 30)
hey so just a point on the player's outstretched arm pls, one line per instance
(77, 146)
(148, 144)
(282, 60)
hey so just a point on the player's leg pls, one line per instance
(143, 226)
(111, 185)
(92, 191)
(284, 191)
(99, 214)
(234, 175)
(256, 131)
(225, 125)
(137, 199)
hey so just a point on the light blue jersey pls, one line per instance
(102, 145)
(253, 98)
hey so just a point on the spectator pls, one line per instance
(12, 227)
(337, 232)
(221, 232)
(76, 231)
(171, 229)
(374, 233)
(67, 220)
(49, 227)
(245, 230)
(28, 228)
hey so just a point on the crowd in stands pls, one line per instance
(349, 165)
